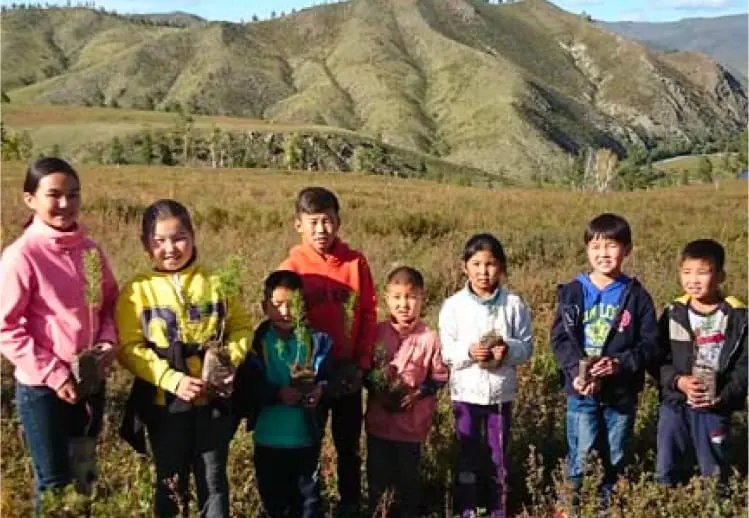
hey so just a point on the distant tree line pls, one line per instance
(603, 170)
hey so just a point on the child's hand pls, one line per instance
(410, 398)
(591, 388)
(479, 353)
(605, 366)
(585, 389)
(313, 398)
(68, 392)
(289, 395)
(693, 388)
(190, 388)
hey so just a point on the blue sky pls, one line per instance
(610, 10)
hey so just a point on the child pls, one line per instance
(485, 332)
(340, 296)
(700, 329)
(165, 318)
(608, 320)
(46, 321)
(287, 428)
(409, 368)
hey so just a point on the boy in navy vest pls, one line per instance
(606, 319)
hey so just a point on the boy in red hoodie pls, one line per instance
(341, 302)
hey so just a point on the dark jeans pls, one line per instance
(591, 426)
(683, 429)
(346, 423)
(197, 442)
(48, 425)
(394, 465)
(481, 428)
(288, 481)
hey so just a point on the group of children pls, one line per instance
(321, 343)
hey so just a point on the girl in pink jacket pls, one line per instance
(58, 296)
(408, 371)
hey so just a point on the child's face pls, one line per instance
(404, 302)
(606, 256)
(483, 271)
(699, 279)
(56, 201)
(171, 245)
(278, 308)
(318, 230)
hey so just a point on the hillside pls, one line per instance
(724, 38)
(510, 89)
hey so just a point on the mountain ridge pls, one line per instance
(512, 89)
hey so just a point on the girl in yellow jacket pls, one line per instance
(166, 318)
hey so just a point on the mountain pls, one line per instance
(512, 89)
(725, 38)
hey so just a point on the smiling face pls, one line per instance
(699, 279)
(171, 245)
(606, 256)
(318, 230)
(56, 201)
(404, 303)
(484, 272)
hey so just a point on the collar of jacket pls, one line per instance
(58, 239)
(491, 301)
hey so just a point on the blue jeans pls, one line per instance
(48, 425)
(592, 425)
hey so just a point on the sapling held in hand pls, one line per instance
(218, 371)
(85, 365)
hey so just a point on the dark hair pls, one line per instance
(314, 200)
(609, 226)
(43, 167)
(706, 249)
(485, 242)
(407, 276)
(281, 279)
(161, 210)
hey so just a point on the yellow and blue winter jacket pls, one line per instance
(163, 320)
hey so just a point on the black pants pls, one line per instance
(393, 466)
(194, 441)
(346, 423)
(288, 481)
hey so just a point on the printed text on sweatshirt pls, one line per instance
(44, 318)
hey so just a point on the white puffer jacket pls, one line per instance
(463, 319)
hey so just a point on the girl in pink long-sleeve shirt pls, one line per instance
(46, 321)
(398, 418)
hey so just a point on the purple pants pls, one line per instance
(481, 428)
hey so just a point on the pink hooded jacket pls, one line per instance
(44, 318)
(417, 359)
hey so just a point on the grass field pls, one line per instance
(425, 225)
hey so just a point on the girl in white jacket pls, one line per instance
(485, 333)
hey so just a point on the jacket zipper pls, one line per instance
(735, 348)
